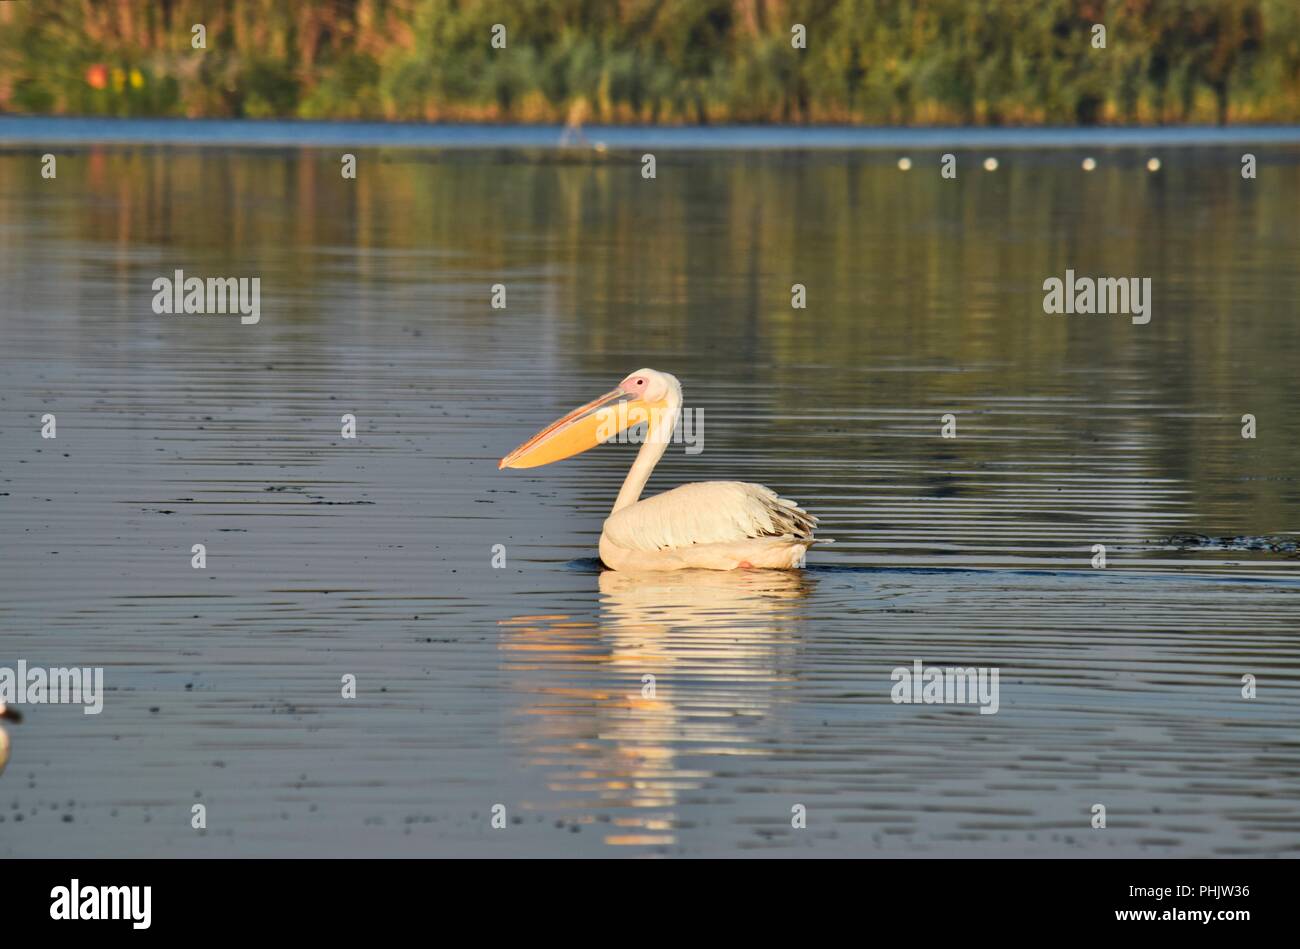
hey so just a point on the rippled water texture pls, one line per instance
(523, 686)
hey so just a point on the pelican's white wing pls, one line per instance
(708, 512)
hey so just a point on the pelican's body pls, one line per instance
(716, 525)
(712, 525)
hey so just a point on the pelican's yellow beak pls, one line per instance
(585, 427)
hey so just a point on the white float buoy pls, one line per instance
(1089, 164)
(1153, 164)
(990, 164)
(904, 164)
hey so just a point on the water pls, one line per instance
(48, 131)
(522, 686)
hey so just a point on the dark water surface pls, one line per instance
(522, 686)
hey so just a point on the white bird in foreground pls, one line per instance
(6, 713)
(714, 525)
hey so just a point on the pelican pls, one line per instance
(713, 525)
(12, 715)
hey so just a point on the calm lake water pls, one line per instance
(522, 686)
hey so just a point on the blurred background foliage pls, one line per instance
(986, 62)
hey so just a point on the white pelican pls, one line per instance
(13, 716)
(715, 525)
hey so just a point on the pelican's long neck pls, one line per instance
(659, 432)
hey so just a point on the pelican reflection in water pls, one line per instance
(715, 644)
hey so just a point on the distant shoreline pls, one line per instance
(56, 131)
